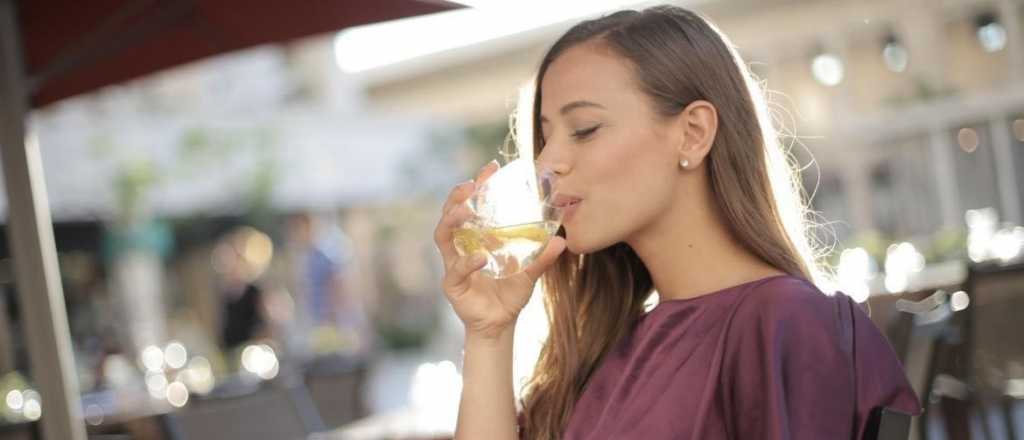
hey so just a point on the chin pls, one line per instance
(571, 244)
(579, 247)
(574, 248)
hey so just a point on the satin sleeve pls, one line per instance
(806, 366)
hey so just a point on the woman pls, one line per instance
(678, 185)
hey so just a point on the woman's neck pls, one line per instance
(689, 250)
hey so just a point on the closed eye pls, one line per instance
(584, 133)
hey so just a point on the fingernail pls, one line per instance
(492, 162)
(478, 258)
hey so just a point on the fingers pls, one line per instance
(486, 172)
(551, 252)
(457, 195)
(462, 191)
(444, 233)
(457, 277)
(454, 212)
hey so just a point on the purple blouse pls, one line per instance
(768, 359)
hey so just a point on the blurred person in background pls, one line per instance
(239, 259)
(673, 181)
(334, 316)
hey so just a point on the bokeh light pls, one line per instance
(992, 35)
(959, 300)
(33, 408)
(1018, 129)
(981, 230)
(177, 394)
(152, 358)
(198, 375)
(855, 270)
(827, 69)
(901, 261)
(93, 414)
(15, 400)
(175, 355)
(1006, 243)
(260, 360)
(968, 139)
(435, 392)
(156, 384)
(895, 55)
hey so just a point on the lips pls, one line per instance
(565, 200)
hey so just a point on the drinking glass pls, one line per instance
(513, 218)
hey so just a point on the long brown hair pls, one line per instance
(592, 300)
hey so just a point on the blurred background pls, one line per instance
(245, 239)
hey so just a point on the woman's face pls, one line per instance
(616, 153)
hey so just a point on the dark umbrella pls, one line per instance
(53, 49)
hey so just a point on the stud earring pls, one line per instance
(684, 163)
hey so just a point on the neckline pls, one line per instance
(719, 292)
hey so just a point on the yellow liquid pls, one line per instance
(508, 249)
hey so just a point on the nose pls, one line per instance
(559, 166)
(560, 169)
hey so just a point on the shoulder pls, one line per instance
(786, 298)
(791, 308)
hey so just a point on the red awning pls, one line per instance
(74, 46)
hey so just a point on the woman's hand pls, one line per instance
(485, 305)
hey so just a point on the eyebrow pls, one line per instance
(575, 105)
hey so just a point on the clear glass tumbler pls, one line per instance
(514, 218)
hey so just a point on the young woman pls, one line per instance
(677, 184)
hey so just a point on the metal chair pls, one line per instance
(272, 413)
(993, 347)
(337, 386)
(888, 424)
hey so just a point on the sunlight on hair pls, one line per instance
(367, 47)
(784, 174)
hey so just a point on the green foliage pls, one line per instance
(200, 151)
(946, 244)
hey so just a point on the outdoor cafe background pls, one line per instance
(246, 237)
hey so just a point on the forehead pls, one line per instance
(589, 72)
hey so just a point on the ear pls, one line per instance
(699, 123)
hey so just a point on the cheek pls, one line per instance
(630, 185)
(635, 167)
(642, 194)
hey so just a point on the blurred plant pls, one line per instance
(407, 314)
(946, 244)
(131, 182)
(133, 177)
(200, 150)
(874, 242)
(943, 245)
(487, 141)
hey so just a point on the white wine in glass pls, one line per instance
(513, 218)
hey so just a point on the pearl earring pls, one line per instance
(684, 163)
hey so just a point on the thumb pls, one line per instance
(554, 248)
